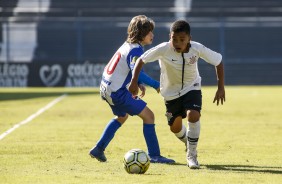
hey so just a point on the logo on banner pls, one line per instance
(14, 75)
(51, 75)
(86, 74)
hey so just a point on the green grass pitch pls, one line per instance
(240, 142)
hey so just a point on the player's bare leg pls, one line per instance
(179, 130)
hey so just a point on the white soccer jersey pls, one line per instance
(173, 71)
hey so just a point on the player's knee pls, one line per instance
(147, 116)
(176, 126)
(193, 116)
(175, 129)
(150, 117)
(122, 119)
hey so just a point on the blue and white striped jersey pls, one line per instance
(117, 73)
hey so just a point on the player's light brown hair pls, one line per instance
(138, 28)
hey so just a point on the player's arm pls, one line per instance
(215, 59)
(144, 78)
(133, 86)
(151, 55)
(220, 93)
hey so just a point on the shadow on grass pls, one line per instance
(238, 168)
(245, 168)
(5, 96)
(177, 163)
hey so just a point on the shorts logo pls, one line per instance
(168, 115)
(197, 106)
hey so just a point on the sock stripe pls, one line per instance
(193, 139)
(182, 137)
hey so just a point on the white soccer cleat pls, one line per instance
(193, 162)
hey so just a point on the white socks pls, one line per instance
(193, 137)
(182, 135)
(190, 136)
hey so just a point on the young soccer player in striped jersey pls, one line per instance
(113, 89)
(180, 83)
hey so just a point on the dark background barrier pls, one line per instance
(51, 74)
(65, 32)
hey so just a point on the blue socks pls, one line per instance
(108, 134)
(151, 139)
(148, 131)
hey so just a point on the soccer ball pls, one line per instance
(136, 161)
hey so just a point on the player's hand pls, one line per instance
(133, 88)
(143, 90)
(219, 96)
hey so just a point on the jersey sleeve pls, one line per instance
(144, 78)
(209, 55)
(153, 54)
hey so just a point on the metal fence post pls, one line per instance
(8, 42)
(78, 38)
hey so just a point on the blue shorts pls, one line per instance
(125, 103)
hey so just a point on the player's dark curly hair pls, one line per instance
(138, 28)
(180, 26)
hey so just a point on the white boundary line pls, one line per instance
(30, 118)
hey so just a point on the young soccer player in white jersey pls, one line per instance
(180, 83)
(113, 90)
